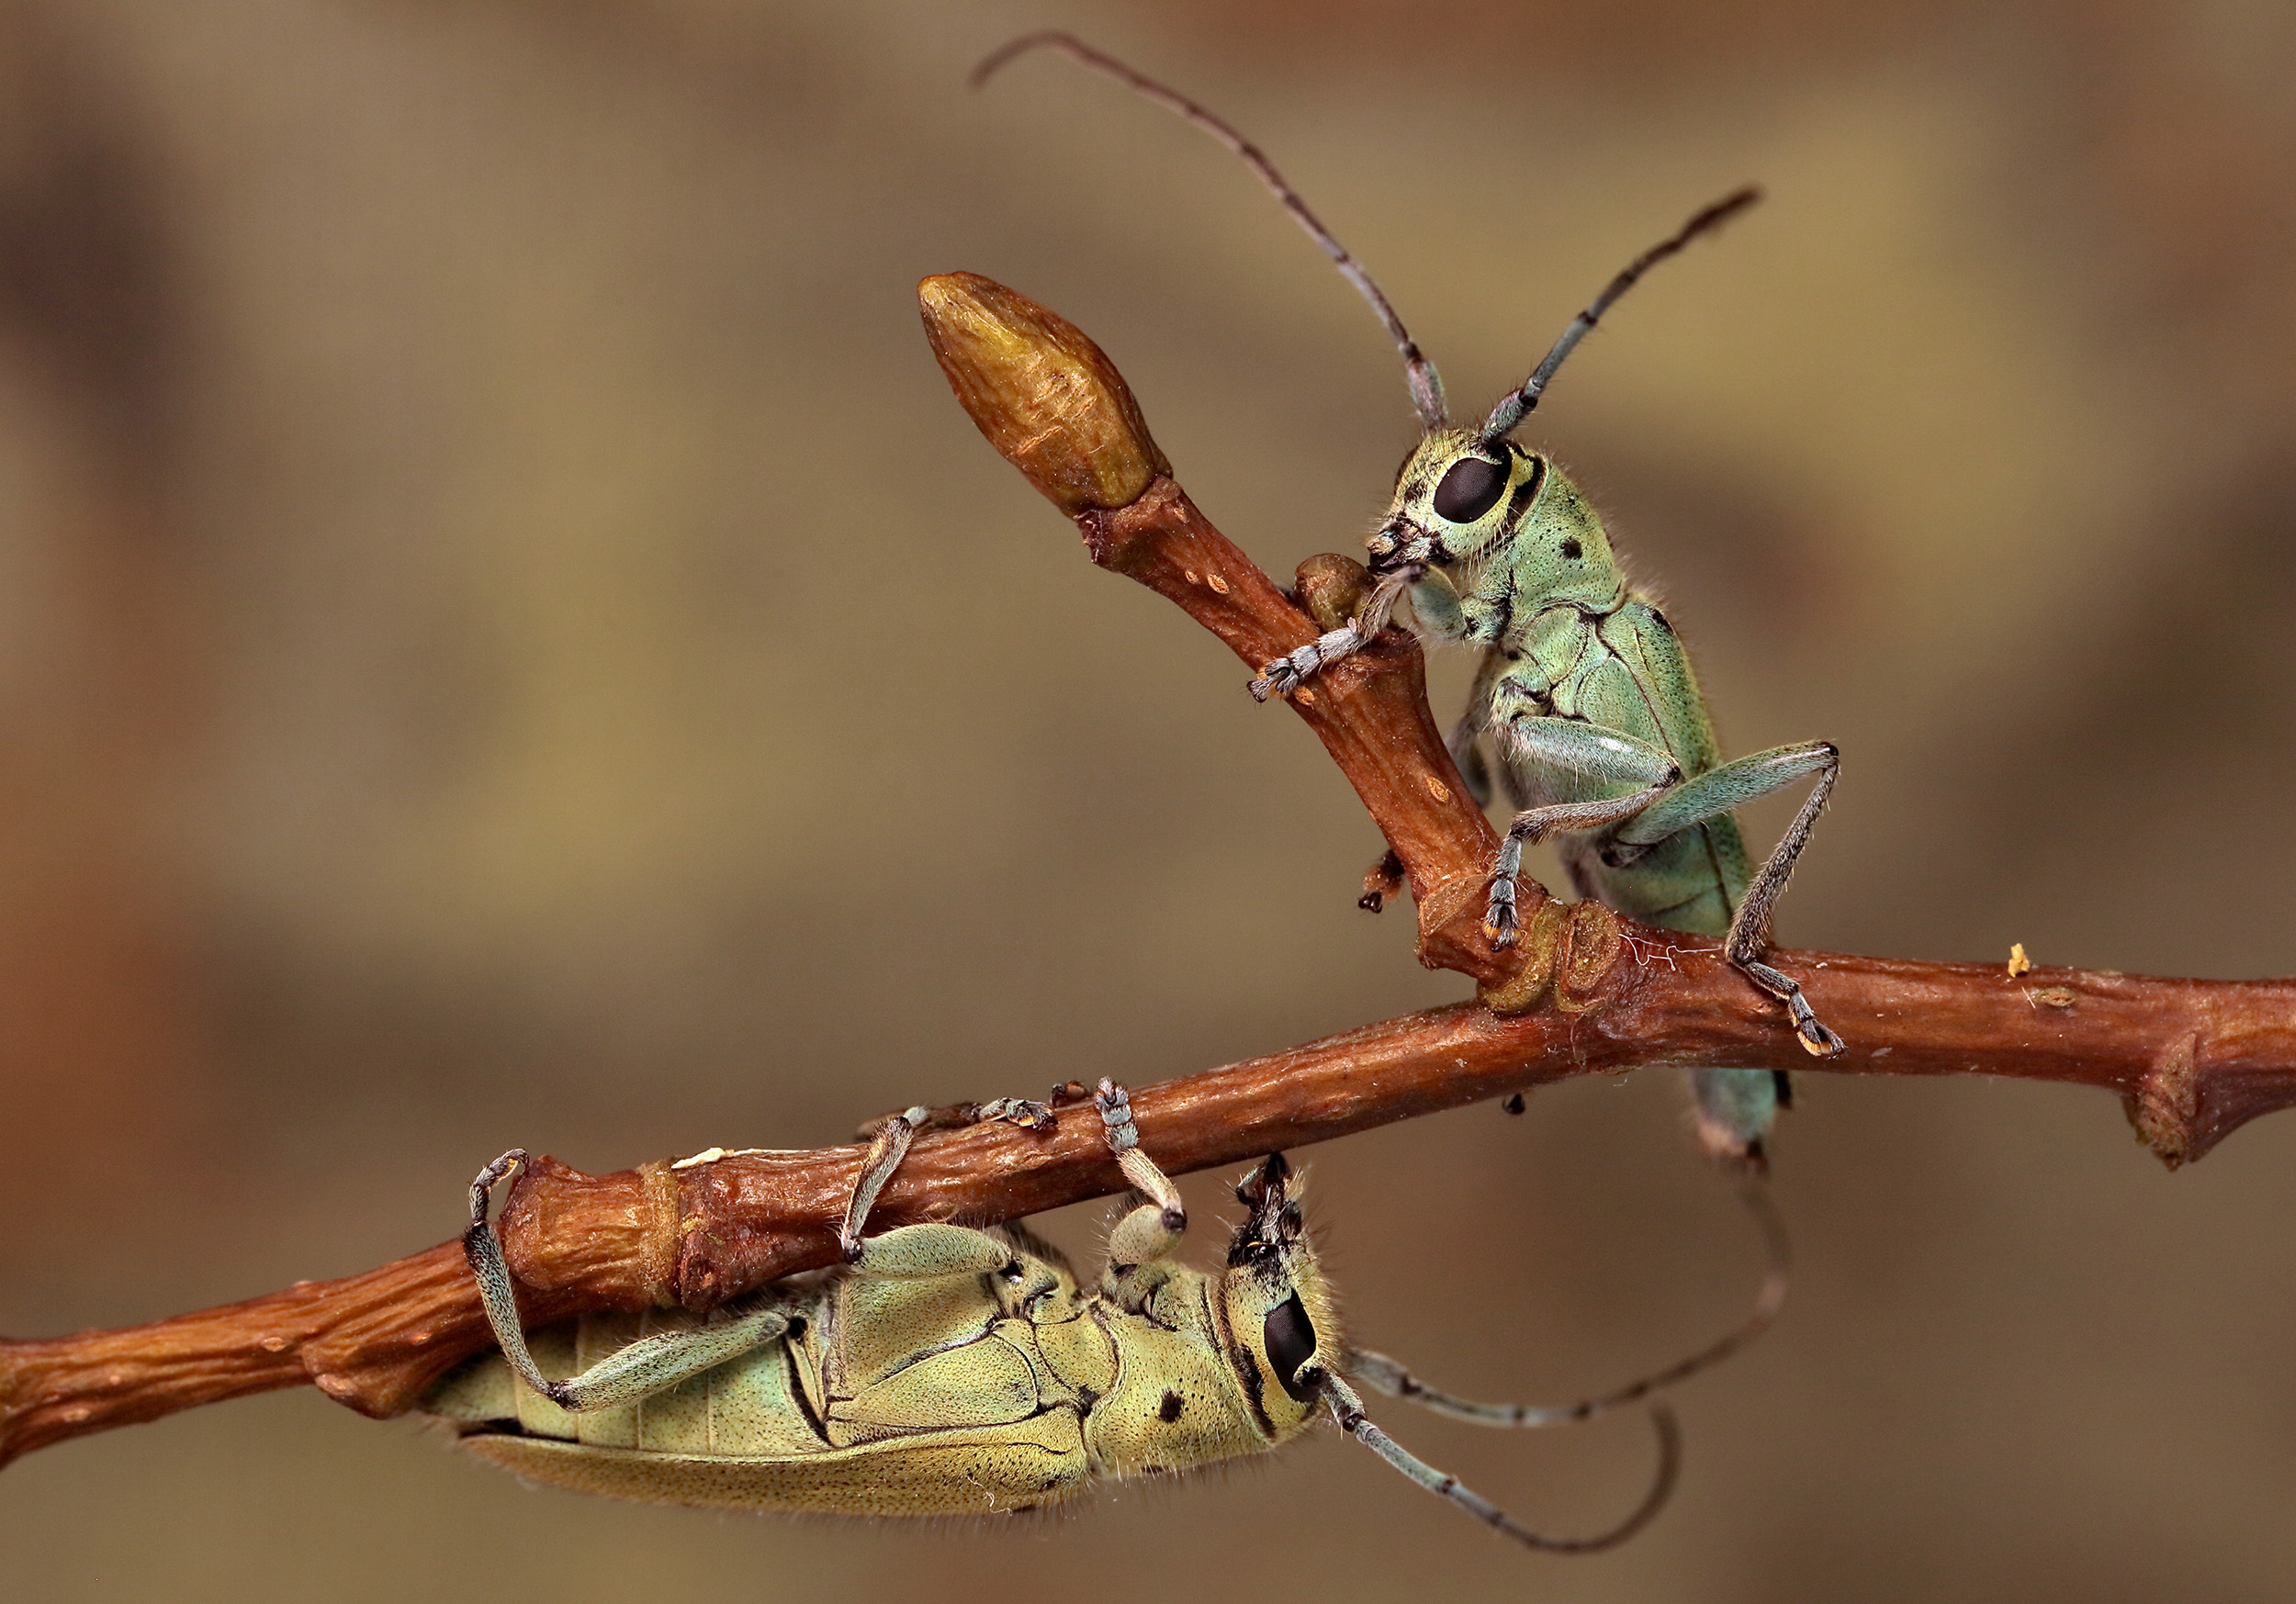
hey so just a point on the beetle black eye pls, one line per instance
(1290, 1345)
(1470, 488)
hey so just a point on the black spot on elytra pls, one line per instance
(1169, 1410)
(1572, 549)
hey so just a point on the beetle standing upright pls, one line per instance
(1585, 692)
(949, 1371)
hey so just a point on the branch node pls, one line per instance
(2166, 1106)
(1591, 945)
(1541, 943)
(1330, 589)
(665, 1231)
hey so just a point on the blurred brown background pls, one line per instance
(504, 637)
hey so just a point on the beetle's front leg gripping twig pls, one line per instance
(1286, 675)
(1151, 1232)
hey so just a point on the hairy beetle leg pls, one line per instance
(1150, 1232)
(1382, 881)
(1026, 1112)
(1534, 824)
(889, 1144)
(648, 1366)
(1817, 1040)
(1500, 920)
(1286, 675)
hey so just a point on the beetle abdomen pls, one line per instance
(977, 1471)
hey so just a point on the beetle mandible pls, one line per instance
(1585, 691)
(949, 1371)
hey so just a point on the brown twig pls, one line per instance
(1584, 992)
(1056, 408)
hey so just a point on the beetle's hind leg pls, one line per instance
(649, 1365)
(656, 1363)
(1722, 791)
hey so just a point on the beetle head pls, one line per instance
(1461, 503)
(1279, 1307)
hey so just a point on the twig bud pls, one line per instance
(1043, 393)
(1331, 588)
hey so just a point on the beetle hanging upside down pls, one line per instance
(949, 1371)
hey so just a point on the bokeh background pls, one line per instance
(504, 638)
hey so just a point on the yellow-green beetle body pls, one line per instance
(949, 1371)
(964, 1395)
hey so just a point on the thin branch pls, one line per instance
(1584, 992)
(1056, 408)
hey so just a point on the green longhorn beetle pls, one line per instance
(947, 1370)
(1585, 691)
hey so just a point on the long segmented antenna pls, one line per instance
(1426, 387)
(1384, 1374)
(1347, 1410)
(1510, 413)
